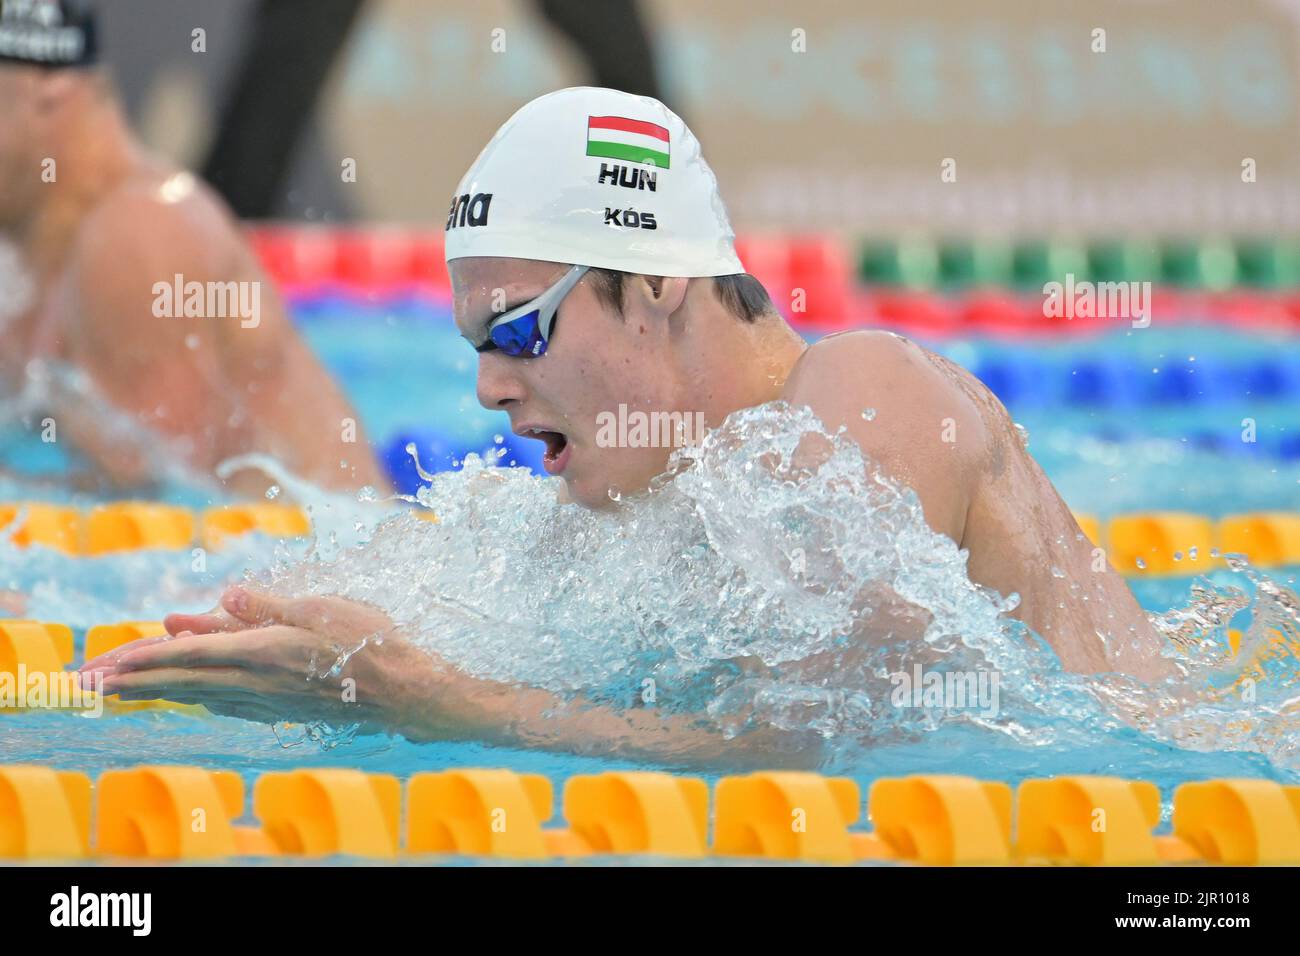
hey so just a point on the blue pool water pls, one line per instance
(412, 378)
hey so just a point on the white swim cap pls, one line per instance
(594, 177)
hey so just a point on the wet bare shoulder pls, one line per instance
(158, 222)
(906, 412)
(148, 231)
(998, 426)
(891, 378)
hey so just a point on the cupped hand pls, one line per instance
(264, 657)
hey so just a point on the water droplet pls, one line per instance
(868, 414)
(498, 439)
(1142, 565)
(1023, 434)
(1057, 572)
(273, 492)
(415, 457)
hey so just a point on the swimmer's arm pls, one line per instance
(470, 709)
(156, 369)
(249, 657)
(922, 431)
(226, 384)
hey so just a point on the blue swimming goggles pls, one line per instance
(526, 329)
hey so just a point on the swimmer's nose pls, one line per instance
(498, 384)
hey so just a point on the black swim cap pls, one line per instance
(52, 33)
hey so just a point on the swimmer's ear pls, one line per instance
(662, 295)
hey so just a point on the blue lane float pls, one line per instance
(1227, 441)
(1098, 381)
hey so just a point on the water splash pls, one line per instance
(340, 520)
(747, 588)
(753, 589)
(49, 384)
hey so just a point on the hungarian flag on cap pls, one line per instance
(635, 141)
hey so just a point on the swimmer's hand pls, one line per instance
(267, 658)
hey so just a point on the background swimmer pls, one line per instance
(99, 222)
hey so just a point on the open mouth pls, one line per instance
(557, 448)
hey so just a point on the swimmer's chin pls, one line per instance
(607, 500)
(566, 495)
(562, 494)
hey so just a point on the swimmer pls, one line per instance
(576, 307)
(103, 230)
